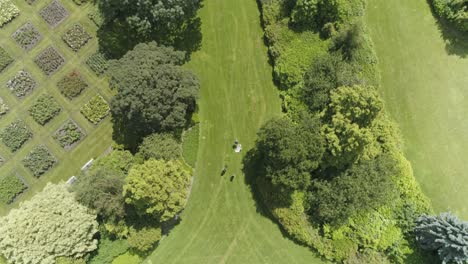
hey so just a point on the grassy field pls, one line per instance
(98, 138)
(425, 86)
(222, 223)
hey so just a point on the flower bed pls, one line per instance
(10, 187)
(98, 63)
(69, 134)
(15, 135)
(3, 107)
(22, 84)
(8, 11)
(5, 59)
(44, 109)
(54, 13)
(76, 37)
(49, 61)
(72, 85)
(39, 160)
(96, 16)
(95, 109)
(27, 36)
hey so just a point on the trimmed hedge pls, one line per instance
(27, 36)
(39, 160)
(44, 109)
(10, 187)
(8, 11)
(54, 13)
(15, 135)
(95, 109)
(76, 37)
(69, 134)
(22, 84)
(5, 59)
(72, 85)
(49, 60)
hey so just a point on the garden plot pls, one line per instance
(76, 37)
(5, 59)
(54, 14)
(95, 109)
(10, 187)
(98, 63)
(44, 109)
(8, 11)
(27, 36)
(21, 84)
(3, 107)
(49, 61)
(39, 160)
(69, 134)
(72, 84)
(15, 135)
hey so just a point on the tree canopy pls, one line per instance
(50, 225)
(154, 94)
(159, 146)
(157, 188)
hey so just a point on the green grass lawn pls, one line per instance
(221, 223)
(98, 138)
(425, 86)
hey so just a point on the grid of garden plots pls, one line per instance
(53, 102)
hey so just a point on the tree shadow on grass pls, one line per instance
(456, 42)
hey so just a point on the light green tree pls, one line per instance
(158, 188)
(50, 225)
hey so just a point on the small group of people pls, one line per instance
(224, 170)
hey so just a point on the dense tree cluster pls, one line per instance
(455, 11)
(155, 94)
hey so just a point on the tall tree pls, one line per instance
(446, 234)
(50, 225)
(154, 94)
(157, 188)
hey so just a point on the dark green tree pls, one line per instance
(446, 234)
(365, 186)
(290, 152)
(158, 146)
(155, 94)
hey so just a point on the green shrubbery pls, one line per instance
(108, 250)
(8, 11)
(455, 11)
(27, 36)
(72, 84)
(5, 59)
(158, 146)
(95, 109)
(39, 160)
(44, 109)
(15, 135)
(98, 63)
(10, 187)
(69, 134)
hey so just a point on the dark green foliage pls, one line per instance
(69, 134)
(455, 11)
(98, 63)
(5, 59)
(49, 61)
(15, 135)
(326, 73)
(39, 160)
(101, 189)
(95, 109)
(22, 84)
(290, 152)
(108, 250)
(72, 84)
(190, 142)
(158, 146)
(154, 94)
(119, 160)
(54, 13)
(10, 187)
(96, 17)
(446, 234)
(76, 37)
(27, 36)
(365, 186)
(44, 109)
(144, 239)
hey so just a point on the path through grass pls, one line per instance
(221, 223)
(425, 86)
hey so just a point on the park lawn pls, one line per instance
(425, 87)
(222, 223)
(98, 137)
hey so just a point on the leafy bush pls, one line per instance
(158, 146)
(5, 59)
(22, 84)
(54, 13)
(27, 36)
(44, 109)
(76, 37)
(108, 250)
(10, 187)
(3, 107)
(69, 134)
(49, 61)
(39, 160)
(98, 63)
(455, 11)
(72, 84)
(144, 239)
(8, 11)
(190, 145)
(15, 135)
(95, 109)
